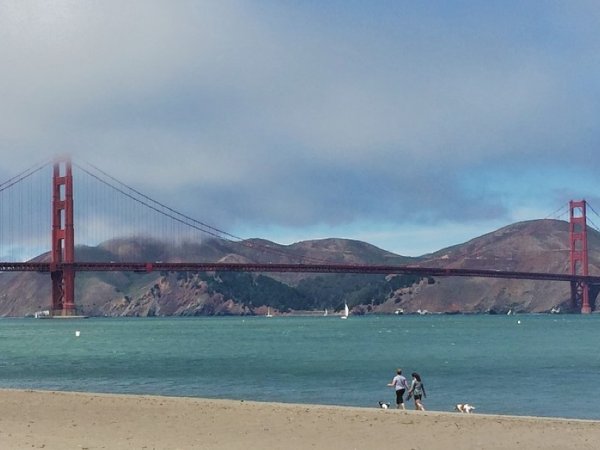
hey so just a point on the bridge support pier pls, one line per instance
(580, 296)
(63, 239)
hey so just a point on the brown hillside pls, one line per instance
(540, 246)
(534, 246)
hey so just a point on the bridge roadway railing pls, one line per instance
(299, 268)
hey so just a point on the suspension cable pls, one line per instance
(185, 219)
(556, 214)
(594, 226)
(592, 208)
(23, 175)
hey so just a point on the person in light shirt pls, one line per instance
(400, 384)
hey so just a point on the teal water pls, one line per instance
(546, 365)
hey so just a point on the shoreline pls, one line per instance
(64, 420)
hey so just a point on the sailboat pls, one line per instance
(269, 312)
(346, 311)
(325, 313)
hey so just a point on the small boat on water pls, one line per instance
(346, 311)
(325, 313)
(269, 312)
(46, 314)
(555, 310)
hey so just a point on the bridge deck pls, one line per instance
(281, 268)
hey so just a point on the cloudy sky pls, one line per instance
(410, 125)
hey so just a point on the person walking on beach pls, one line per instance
(417, 391)
(400, 384)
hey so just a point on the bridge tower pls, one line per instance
(580, 292)
(63, 239)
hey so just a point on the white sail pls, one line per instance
(269, 312)
(346, 311)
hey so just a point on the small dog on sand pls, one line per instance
(383, 405)
(464, 408)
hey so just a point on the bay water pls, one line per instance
(542, 365)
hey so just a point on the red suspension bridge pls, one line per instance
(63, 265)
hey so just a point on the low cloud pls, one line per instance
(280, 115)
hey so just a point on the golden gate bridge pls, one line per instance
(62, 264)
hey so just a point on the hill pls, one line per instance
(535, 246)
(540, 245)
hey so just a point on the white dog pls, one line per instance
(464, 408)
(384, 405)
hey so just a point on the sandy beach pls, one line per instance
(59, 420)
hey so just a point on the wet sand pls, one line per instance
(53, 420)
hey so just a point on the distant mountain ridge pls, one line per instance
(539, 245)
